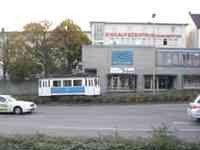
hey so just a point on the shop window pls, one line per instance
(122, 81)
(131, 83)
(147, 83)
(115, 82)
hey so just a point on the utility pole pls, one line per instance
(154, 49)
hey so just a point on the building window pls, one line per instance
(190, 59)
(115, 81)
(175, 57)
(98, 31)
(191, 82)
(147, 82)
(173, 28)
(164, 42)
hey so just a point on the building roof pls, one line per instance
(196, 19)
(139, 23)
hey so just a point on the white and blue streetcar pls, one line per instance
(78, 85)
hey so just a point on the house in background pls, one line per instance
(193, 40)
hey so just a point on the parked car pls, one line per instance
(194, 108)
(10, 105)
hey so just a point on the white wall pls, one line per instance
(163, 31)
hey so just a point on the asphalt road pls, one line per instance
(94, 120)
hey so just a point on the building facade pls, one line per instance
(194, 34)
(139, 34)
(125, 68)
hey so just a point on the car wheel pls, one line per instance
(18, 110)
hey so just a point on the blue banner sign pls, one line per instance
(64, 90)
(122, 57)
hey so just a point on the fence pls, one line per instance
(19, 88)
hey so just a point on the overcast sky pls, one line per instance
(14, 14)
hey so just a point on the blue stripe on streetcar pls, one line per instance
(80, 89)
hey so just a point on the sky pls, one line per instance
(14, 14)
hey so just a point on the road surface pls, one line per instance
(95, 120)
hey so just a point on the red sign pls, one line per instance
(135, 34)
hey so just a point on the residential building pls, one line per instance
(194, 34)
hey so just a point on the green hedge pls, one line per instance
(165, 97)
(160, 140)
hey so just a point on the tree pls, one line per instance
(37, 40)
(21, 62)
(4, 52)
(38, 50)
(67, 39)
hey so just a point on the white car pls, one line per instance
(194, 109)
(10, 104)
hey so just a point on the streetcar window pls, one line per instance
(95, 82)
(56, 83)
(90, 83)
(67, 83)
(43, 84)
(77, 82)
(86, 82)
(48, 83)
(40, 84)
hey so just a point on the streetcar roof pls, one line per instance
(71, 76)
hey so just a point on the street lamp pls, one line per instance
(154, 47)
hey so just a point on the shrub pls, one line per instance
(165, 97)
(161, 139)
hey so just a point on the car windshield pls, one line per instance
(11, 99)
(197, 99)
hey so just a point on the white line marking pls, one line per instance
(117, 129)
(107, 129)
(189, 130)
(182, 123)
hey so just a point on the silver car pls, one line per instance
(194, 109)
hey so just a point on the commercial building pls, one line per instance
(132, 68)
(133, 57)
(139, 34)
